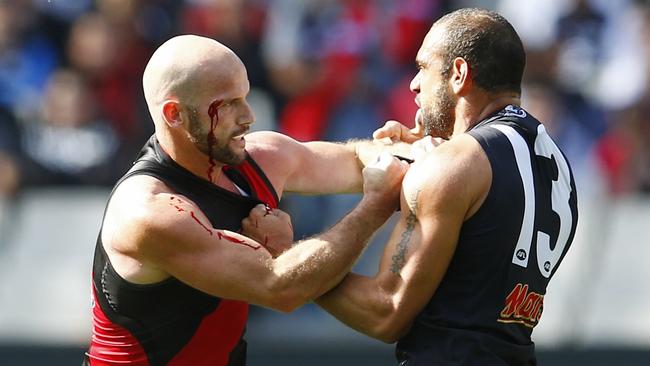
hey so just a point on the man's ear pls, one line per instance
(172, 113)
(460, 76)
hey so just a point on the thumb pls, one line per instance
(381, 133)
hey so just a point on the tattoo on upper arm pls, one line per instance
(399, 258)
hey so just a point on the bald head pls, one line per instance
(186, 66)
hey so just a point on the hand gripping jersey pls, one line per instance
(492, 295)
(171, 323)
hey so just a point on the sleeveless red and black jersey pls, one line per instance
(171, 323)
(492, 295)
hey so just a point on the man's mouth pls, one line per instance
(240, 134)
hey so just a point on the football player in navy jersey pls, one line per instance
(486, 217)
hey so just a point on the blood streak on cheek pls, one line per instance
(213, 113)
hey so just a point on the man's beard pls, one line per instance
(438, 119)
(223, 154)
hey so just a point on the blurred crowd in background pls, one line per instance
(72, 110)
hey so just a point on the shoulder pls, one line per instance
(142, 208)
(456, 159)
(277, 155)
(456, 173)
(268, 148)
(265, 142)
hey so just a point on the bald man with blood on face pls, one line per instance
(172, 277)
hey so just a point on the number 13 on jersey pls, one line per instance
(547, 258)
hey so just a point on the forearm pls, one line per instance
(325, 168)
(360, 303)
(315, 265)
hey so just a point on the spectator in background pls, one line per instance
(408, 24)
(68, 143)
(9, 149)
(624, 151)
(644, 104)
(27, 57)
(580, 37)
(105, 49)
(326, 57)
(643, 161)
(568, 129)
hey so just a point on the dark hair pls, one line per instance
(488, 43)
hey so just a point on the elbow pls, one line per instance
(284, 303)
(282, 296)
(390, 334)
(391, 328)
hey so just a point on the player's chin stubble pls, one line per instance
(438, 119)
(219, 152)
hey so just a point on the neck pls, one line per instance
(470, 112)
(185, 154)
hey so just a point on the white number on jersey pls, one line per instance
(547, 258)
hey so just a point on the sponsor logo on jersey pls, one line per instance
(514, 111)
(522, 307)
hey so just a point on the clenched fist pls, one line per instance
(270, 227)
(383, 179)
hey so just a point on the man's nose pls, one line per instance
(248, 116)
(415, 83)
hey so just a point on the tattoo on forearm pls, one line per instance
(399, 258)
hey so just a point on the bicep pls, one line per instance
(315, 167)
(420, 247)
(225, 264)
(325, 167)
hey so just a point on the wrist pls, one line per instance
(376, 206)
(366, 152)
